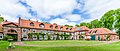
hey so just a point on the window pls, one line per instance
(34, 30)
(61, 28)
(56, 27)
(51, 27)
(70, 28)
(31, 24)
(12, 31)
(41, 25)
(66, 28)
(24, 36)
(104, 35)
(24, 30)
(79, 29)
(90, 31)
(95, 31)
(1, 36)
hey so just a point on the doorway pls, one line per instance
(14, 36)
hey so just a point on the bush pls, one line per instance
(7, 37)
(48, 37)
(107, 38)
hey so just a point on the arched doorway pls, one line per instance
(13, 34)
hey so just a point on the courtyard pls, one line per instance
(62, 45)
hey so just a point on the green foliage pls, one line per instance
(77, 25)
(1, 19)
(68, 25)
(57, 36)
(95, 23)
(49, 37)
(108, 19)
(30, 36)
(7, 37)
(107, 38)
(37, 35)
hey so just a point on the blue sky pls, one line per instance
(62, 12)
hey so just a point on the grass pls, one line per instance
(62, 43)
(106, 47)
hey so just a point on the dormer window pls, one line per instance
(41, 25)
(56, 27)
(95, 31)
(31, 24)
(70, 28)
(51, 27)
(90, 31)
(61, 28)
(79, 29)
(66, 28)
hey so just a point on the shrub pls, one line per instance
(107, 38)
(49, 37)
(7, 37)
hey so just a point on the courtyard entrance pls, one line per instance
(14, 36)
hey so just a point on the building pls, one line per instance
(34, 30)
(101, 34)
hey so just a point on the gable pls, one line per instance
(10, 25)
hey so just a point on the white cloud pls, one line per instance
(9, 18)
(72, 17)
(96, 8)
(11, 9)
(60, 21)
(46, 8)
(33, 19)
(87, 20)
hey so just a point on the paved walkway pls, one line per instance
(104, 42)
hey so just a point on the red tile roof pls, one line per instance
(0, 28)
(26, 23)
(83, 28)
(101, 31)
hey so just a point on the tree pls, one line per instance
(37, 35)
(83, 24)
(30, 36)
(57, 37)
(111, 20)
(49, 37)
(117, 21)
(95, 24)
(77, 25)
(1, 19)
(108, 19)
(68, 25)
(89, 25)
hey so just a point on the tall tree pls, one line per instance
(117, 21)
(77, 25)
(95, 23)
(108, 19)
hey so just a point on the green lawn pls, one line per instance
(105, 47)
(62, 43)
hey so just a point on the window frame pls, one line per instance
(1, 36)
(32, 24)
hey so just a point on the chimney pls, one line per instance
(19, 21)
(36, 20)
(6, 21)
